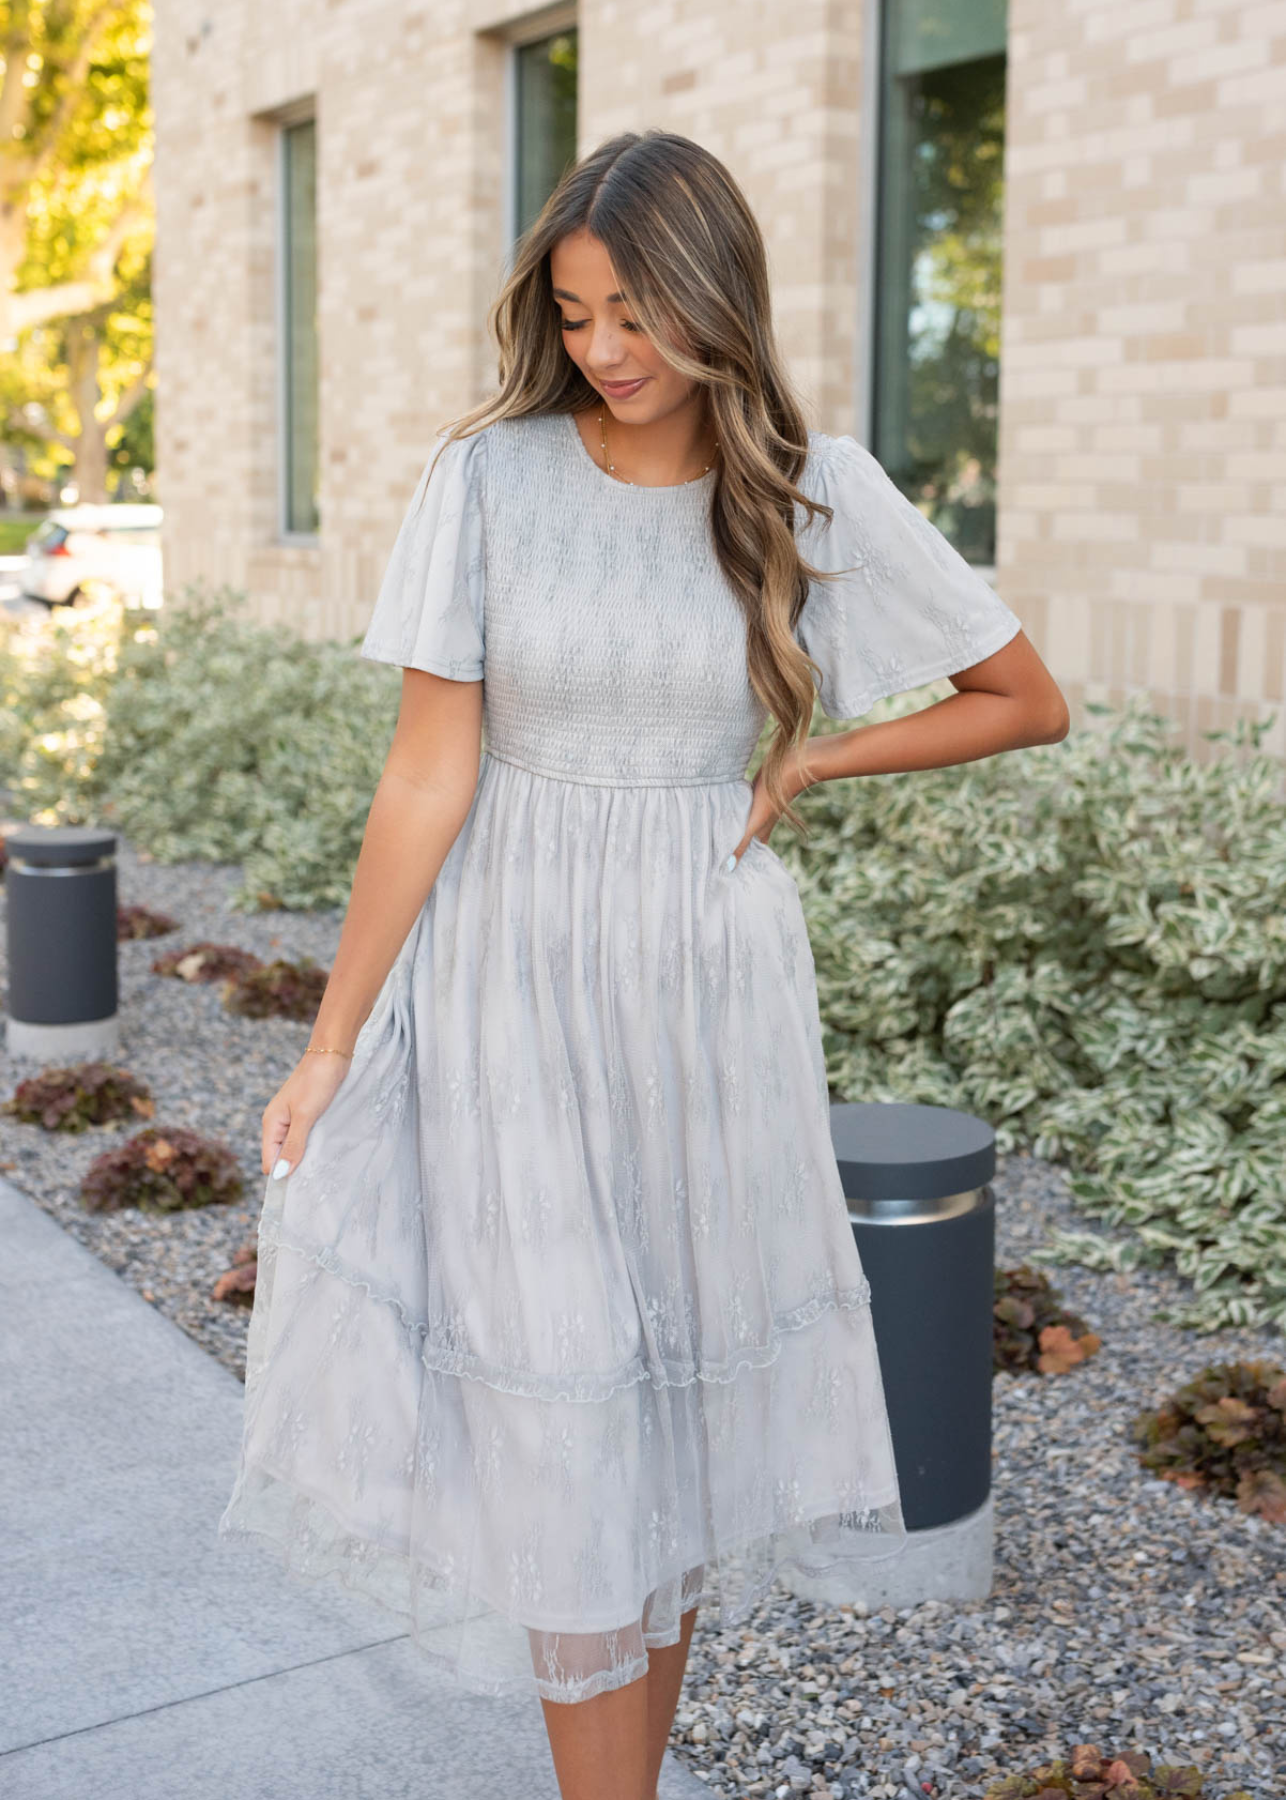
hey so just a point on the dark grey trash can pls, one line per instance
(917, 1181)
(60, 905)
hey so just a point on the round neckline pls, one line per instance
(697, 484)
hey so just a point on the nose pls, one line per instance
(607, 352)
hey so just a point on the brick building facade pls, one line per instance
(1034, 256)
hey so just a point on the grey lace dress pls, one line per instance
(560, 1326)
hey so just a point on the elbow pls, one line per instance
(1048, 720)
(1058, 723)
(1040, 725)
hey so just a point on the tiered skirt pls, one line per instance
(559, 1326)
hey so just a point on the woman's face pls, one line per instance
(602, 340)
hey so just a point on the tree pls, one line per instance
(76, 227)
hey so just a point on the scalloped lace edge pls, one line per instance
(444, 1360)
(349, 1550)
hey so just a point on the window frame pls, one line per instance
(875, 201)
(548, 22)
(287, 121)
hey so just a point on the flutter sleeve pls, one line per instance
(909, 610)
(429, 610)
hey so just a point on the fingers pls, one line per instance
(291, 1151)
(285, 1133)
(735, 856)
(276, 1124)
(290, 1115)
(287, 1154)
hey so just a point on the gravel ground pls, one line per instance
(1124, 1612)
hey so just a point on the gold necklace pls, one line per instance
(610, 466)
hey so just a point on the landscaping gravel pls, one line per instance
(1124, 1612)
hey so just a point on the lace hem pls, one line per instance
(316, 1543)
(447, 1359)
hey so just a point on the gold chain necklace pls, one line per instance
(610, 466)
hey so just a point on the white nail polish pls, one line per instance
(731, 863)
(280, 1169)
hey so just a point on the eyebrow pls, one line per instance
(566, 294)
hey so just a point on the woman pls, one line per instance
(560, 1327)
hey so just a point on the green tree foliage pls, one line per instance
(76, 228)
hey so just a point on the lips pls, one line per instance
(618, 390)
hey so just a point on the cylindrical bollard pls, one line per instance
(60, 904)
(917, 1180)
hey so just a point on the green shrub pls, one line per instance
(160, 1170)
(1087, 1774)
(280, 990)
(1225, 1433)
(206, 962)
(79, 1095)
(1083, 943)
(133, 922)
(1032, 1330)
(55, 674)
(201, 737)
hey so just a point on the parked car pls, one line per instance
(78, 547)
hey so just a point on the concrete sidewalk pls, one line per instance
(142, 1659)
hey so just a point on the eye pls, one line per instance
(575, 324)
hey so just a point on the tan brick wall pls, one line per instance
(1143, 366)
(772, 90)
(1143, 429)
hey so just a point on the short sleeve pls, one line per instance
(910, 608)
(429, 610)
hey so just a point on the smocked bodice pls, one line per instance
(615, 648)
(611, 647)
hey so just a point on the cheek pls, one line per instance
(641, 355)
(669, 384)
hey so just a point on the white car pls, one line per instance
(77, 548)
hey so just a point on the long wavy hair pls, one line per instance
(688, 255)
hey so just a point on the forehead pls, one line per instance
(580, 268)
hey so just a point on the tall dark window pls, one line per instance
(544, 121)
(935, 381)
(299, 412)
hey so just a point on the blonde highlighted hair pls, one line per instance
(688, 255)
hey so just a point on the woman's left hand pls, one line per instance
(763, 815)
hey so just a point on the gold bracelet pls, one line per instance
(321, 1050)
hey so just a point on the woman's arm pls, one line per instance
(1006, 702)
(421, 801)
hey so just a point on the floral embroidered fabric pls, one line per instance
(559, 1325)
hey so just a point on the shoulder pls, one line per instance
(835, 470)
(502, 449)
(499, 435)
(470, 462)
(850, 479)
(831, 455)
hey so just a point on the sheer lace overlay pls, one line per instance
(560, 1326)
